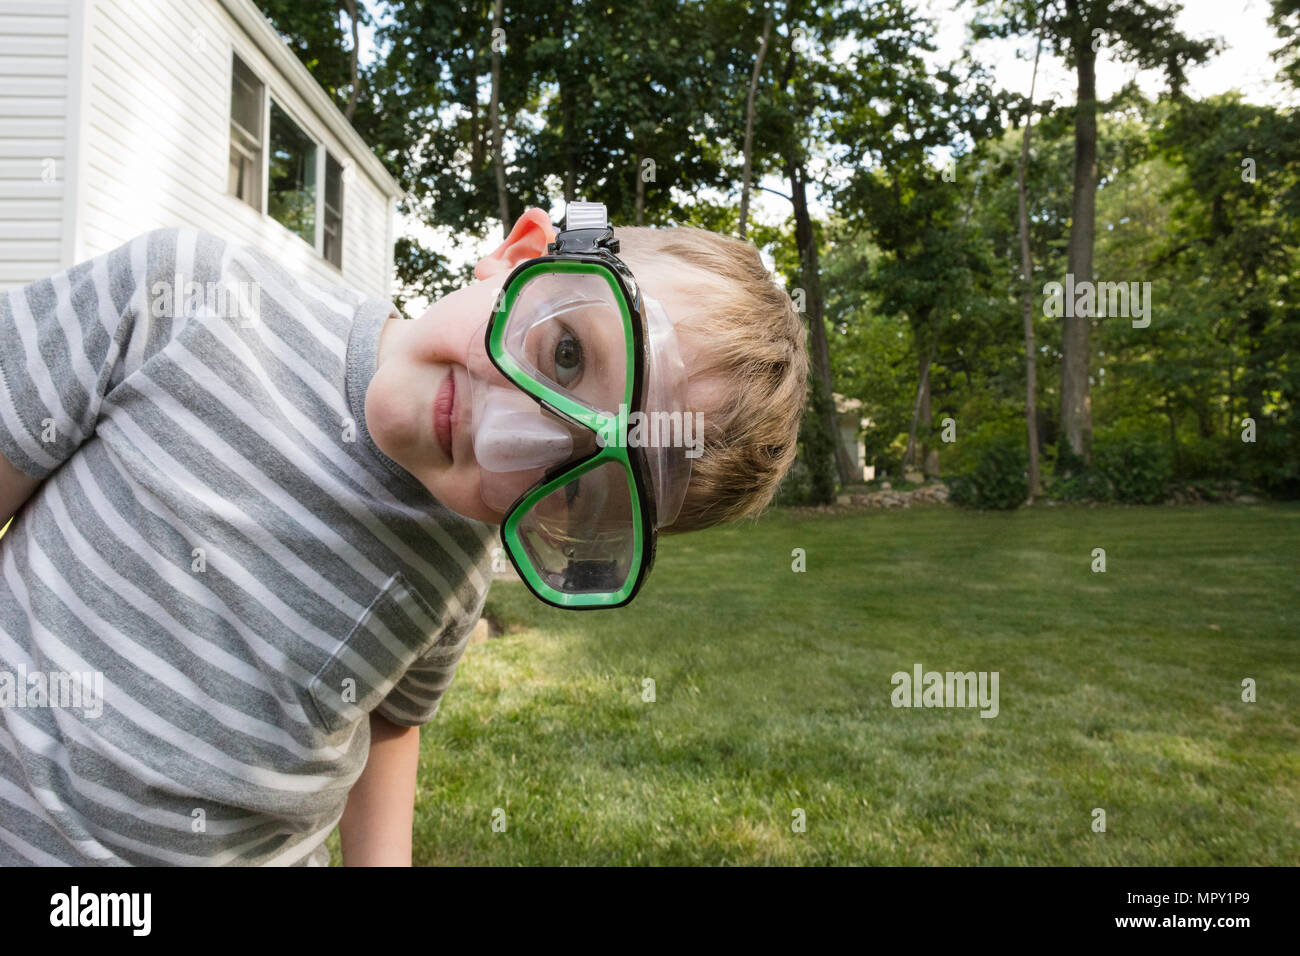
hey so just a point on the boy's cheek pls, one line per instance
(458, 489)
(391, 420)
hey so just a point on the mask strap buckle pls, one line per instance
(586, 230)
(585, 215)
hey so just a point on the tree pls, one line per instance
(813, 108)
(1233, 242)
(933, 261)
(1027, 296)
(494, 117)
(748, 149)
(1285, 19)
(798, 89)
(1140, 32)
(316, 33)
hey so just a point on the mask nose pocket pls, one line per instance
(397, 627)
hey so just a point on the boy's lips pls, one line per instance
(444, 410)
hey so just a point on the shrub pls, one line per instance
(1072, 479)
(1272, 464)
(997, 479)
(1208, 458)
(1208, 489)
(1087, 484)
(1068, 464)
(796, 486)
(1138, 469)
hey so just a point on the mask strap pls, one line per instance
(666, 378)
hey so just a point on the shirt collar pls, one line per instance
(362, 361)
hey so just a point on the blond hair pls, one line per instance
(749, 340)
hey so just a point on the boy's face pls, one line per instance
(418, 406)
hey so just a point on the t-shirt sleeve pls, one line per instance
(66, 341)
(415, 699)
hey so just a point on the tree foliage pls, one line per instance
(898, 222)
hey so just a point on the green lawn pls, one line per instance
(1120, 690)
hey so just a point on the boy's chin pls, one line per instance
(472, 514)
(466, 504)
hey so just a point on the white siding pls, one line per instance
(34, 68)
(155, 133)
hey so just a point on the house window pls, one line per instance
(333, 224)
(246, 96)
(291, 176)
(277, 167)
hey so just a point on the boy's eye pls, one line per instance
(568, 359)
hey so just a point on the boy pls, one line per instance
(256, 518)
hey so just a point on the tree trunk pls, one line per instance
(568, 110)
(1255, 374)
(476, 150)
(1231, 397)
(931, 464)
(810, 270)
(638, 205)
(810, 273)
(477, 137)
(749, 124)
(351, 7)
(1076, 401)
(1027, 294)
(1173, 437)
(923, 417)
(922, 397)
(1205, 425)
(498, 159)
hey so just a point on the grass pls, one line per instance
(1120, 690)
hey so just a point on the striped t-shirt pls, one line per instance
(221, 574)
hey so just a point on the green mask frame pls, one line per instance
(584, 583)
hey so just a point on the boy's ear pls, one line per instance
(527, 240)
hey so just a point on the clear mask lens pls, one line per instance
(580, 538)
(566, 330)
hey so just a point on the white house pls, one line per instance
(121, 116)
(850, 423)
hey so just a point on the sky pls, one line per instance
(1244, 64)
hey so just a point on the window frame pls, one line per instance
(327, 209)
(275, 103)
(250, 144)
(324, 154)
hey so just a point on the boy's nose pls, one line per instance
(514, 436)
